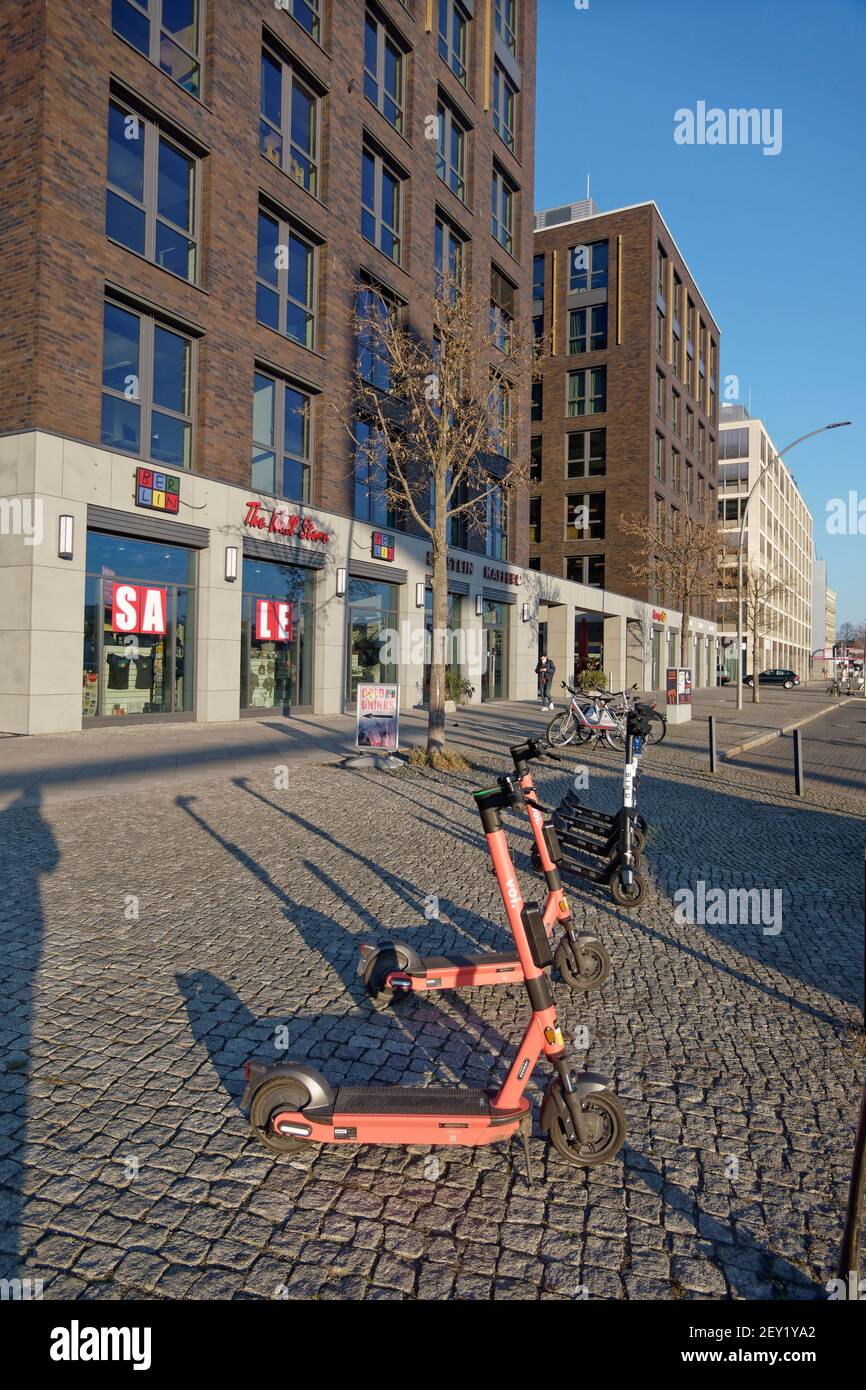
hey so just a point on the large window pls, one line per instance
(734, 444)
(290, 120)
(534, 520)
(308, 13)
(660, 457)
(502, 297)
(152, 191)
(375, 315)
(587, 391)
(449, 252)
(587, 267)
(371, 476)
(496, 529)
(384, 71)
(586, 569)
(146, 387)
(535, 459)
(661, 391)
(584, 516)
(536, 402)
(504, 106)
(585, 455)
(277, 675)
(501, 433)
(506, 23)
(587, 330)
(502, 199)
(286, 280)
(451, 150)
(372, 612)
(168, 32)
(282, 438)
(381, 204)
(454, 38)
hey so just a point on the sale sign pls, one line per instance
(139, 608)
(274, 620)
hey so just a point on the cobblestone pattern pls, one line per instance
(127, 1166)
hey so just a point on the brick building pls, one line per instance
(191, 193)
(624, 413)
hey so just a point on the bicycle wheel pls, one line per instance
(560, 730)
(658, 727)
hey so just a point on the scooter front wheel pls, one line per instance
(628, 894)
(376, 973)
(279, 1094)
(607, 1125)
(595, 960)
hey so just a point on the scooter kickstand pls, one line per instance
(524, 1135)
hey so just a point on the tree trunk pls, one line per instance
(684, 629)
(436, 698)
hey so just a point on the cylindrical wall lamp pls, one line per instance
(341, 583)
(526, 612)
(231, 563)
(420, 594)
(66, 538)
(479, 605)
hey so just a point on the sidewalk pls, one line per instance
(132, 757)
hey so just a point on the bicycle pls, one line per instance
(599, 716)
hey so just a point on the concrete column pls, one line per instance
(560, 640)
(614, 651)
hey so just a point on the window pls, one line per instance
(660, 457)
(506, 23)
(660, 332)
(660, 518)
(168, 32)
(690, 338)
(449, 250)
(677, 412)
(534, 562)
(375, 312)
(286, 280)
(384, 71)
(585, 454)
(676, 323)
(587, 267)
(504, 106)
(538, 277)
(734, 444)
(536, 408)
(372, 476)
(690, 482)
(451, 153)
(595, 321)
(534, 520)
(146, 387)
(289, 122)
(381, 204)
(496, 531)
(587, 391)
(662, 273)
(660, 394)
(702, 435)
(690, 428)
(308, 13)
(282, 424)
(535, 459)
(152, 193)
(586, 569)
(584, 516)
(501, 440)
(676, 471)
(454, 38)
(502, 193)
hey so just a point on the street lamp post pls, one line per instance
(838, 424)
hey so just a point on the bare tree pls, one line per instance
(679, 556)
(763, 595)
(433, 430)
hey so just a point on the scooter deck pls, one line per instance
(410, 1100)
(492, 958)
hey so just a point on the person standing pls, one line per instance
(545, 671)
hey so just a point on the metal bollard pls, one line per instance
(799, 770)
(712, 723)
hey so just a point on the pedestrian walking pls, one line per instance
(545, 671)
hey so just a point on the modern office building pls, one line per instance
(624, 415)
(191, 193)
(823, 619)
(778, 543)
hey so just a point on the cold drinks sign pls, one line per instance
(378, 718)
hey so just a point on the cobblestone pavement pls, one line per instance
(127, 1165)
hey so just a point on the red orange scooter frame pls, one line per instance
(292, 1105)
(395, 970)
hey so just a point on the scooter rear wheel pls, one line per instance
(596, 962)
(607, 1121)
(281, 1093)
(628, 895)
(376, 972)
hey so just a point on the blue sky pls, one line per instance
(777, 244)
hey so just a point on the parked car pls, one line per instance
(775, 676)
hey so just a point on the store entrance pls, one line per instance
(276, 666)
(494, 678)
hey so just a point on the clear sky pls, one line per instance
(776, 243)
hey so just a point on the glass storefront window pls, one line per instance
(494, 678)
(277, 675)
(373, 611)
(134, 673)
(455, 609)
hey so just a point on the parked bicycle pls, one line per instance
(600, 716)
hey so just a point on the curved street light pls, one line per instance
(837, 425)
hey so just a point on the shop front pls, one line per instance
(139, 624)
(456, 667)
(496, 622)
(277, 625)
(372, 625)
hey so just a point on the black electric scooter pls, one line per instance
(621, 874)
(574, 815)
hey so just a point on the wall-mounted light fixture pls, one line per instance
(66, 538)
(231, 563)
(526, 612)
(420, 594)
(341, 583)
(479, 605)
